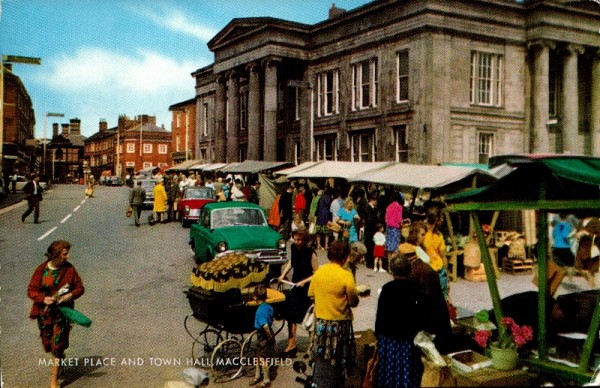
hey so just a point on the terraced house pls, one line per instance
(422, 81)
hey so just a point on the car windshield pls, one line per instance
(199, 193)
(148, 185)
(238, 216)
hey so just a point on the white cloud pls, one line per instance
(177, 20)
(101, 69)
(96, 83)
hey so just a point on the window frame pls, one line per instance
(131, 148)
(323, 144)
(485, 146)
(328, 98)
(362, 83)
(402, 78)
(147, 148)
(162, 149)
(365, 153)
(487, 79)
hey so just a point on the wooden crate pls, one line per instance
(517, 265)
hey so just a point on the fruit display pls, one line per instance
(233, 270)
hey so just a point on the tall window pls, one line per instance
(205, 119)
(328, 90)
(402, 85)
(362, 147)
(326, 148)
(486, 78)
(554, 90)
(364, 84)
(130, 148)
(401, 143)
(162, 148)
(486, 144)
(244, 111)
(147, 148)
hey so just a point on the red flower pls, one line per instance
(510, 335)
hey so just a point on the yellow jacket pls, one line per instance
(160, 198)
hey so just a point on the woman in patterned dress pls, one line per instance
(401, 314)
(54, 282)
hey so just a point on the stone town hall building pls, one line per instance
(422, 81)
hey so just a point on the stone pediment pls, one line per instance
(243, 27)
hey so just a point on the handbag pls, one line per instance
(75, 316)
(309, 318)
(370, 380)
(334, 226)
(312, 227)
(129, 212)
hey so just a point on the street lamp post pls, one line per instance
(9, 59)
(46, 115)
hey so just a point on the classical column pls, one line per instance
(253, 112)
(220, 120)
(595, 104)
(270, 114)
(233, 117)
(570, 98)
(540, 90)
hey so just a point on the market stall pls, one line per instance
(548, 183)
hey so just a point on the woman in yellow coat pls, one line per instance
(160, 200)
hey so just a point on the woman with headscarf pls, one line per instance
(54, 282)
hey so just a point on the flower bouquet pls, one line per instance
(503, 349)
(510, 335)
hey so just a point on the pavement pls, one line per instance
(468, 298)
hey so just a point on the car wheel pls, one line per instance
(184, 222)
(209, 256)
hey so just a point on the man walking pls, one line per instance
(137, 196)
(33, 190)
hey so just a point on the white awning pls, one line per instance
(335, 169)
(420, 176)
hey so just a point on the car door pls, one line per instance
(201, 235)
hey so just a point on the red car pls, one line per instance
(190, 202)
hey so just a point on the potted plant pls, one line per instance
(503, 349)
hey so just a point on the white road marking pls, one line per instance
(76, 208)
(66, 218)
(82, 202)
(47, 233)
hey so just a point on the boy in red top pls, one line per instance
(300, 202)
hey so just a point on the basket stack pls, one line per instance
(229, 272)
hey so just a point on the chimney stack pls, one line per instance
(65, 130)
(75, 126)
(335, 11)
(103, 125)
(54, 130)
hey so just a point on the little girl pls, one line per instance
(296, 223)
(379, 249)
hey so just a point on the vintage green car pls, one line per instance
(241, 227)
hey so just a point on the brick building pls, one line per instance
(100, 150)
(140, 143)
(19, 124)
(416, 81)
(184, 133)
(64, 159)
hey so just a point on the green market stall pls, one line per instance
(544, 183)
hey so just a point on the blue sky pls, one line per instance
(103, 58)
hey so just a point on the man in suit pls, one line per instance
(33, 190)
(137, 196)
(370, 222)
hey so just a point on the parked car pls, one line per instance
(240, 227)
(2, 189)
(148, 186)
(22, 180)
(191, 200)
(114, 181)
